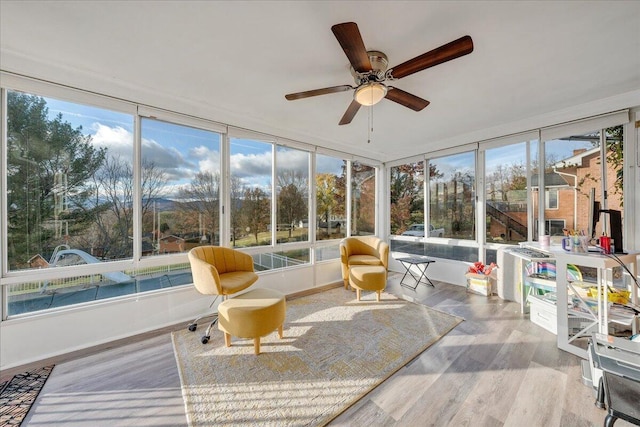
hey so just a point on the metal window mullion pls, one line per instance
(312, 209)
(542, 164)
(4, 260)
(274, 207)
(137, 189)
(481, 228)
(225, 191)
(4, 303)
(426, 194)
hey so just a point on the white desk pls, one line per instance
(590, 320)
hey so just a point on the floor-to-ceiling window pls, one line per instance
(331, 193)
(581, 193)
(577, 178)
(406, 199)
(69, 199)
(251, 163)
(104, 199)
(505, 195)
(452, 195)
(363, 199)
(292, 189)
(180, 185)
(69, 180)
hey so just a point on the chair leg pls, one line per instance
(256, 345)
(227, 339)
(193, 325)
(211, 325)
(346, 283)
(358, 294)
(378, 296)
(281, 331)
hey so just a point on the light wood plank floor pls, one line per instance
(494, 369)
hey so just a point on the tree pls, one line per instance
(292, 206)
(326, 203)
(615, 157)
(49, 162)
(201, 200)
(406, 195)
(293, 177)
(236, 191)
(114, 198)
(292, 189)
(256, 210)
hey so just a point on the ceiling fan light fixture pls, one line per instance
(370, 93)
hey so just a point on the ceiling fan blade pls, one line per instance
(316, 92)
(350, 39)
(406, 99)
(455, 49)
(350, 113)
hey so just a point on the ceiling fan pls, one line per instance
(369, 69)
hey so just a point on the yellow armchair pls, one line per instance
(219, 271)
(362, 250)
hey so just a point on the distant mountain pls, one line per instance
(163, 204)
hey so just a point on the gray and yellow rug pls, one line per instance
(335, 350)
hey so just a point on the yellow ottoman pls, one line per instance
(368, 278)
(252, 315)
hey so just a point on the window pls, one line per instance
(554, 227)
(282, 259)
(406, 197)
(180, 182)
(452, 195)
(69, 181)
(363, 199)
(551, 198)
(575, 172)
(506, 193)
(292, 189)
(330, 197)
(326, 253)
(251, 166)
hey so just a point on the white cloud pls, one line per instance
(119, 142)
(248, 165)
(293, 160)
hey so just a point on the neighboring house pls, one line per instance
(559, 203)
(566, 198)
(171, 244)
(582, 170)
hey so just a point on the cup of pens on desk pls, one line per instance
(584, 244)
(575, 243)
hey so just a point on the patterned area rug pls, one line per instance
(18, 394)
(334, 351)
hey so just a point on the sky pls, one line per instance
(180, 151)
(183, 151)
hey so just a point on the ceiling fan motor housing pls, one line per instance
(379, 65)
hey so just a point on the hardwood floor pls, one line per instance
(494, 369)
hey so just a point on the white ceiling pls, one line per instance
(533, 64)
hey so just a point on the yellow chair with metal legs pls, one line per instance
(222, 272)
